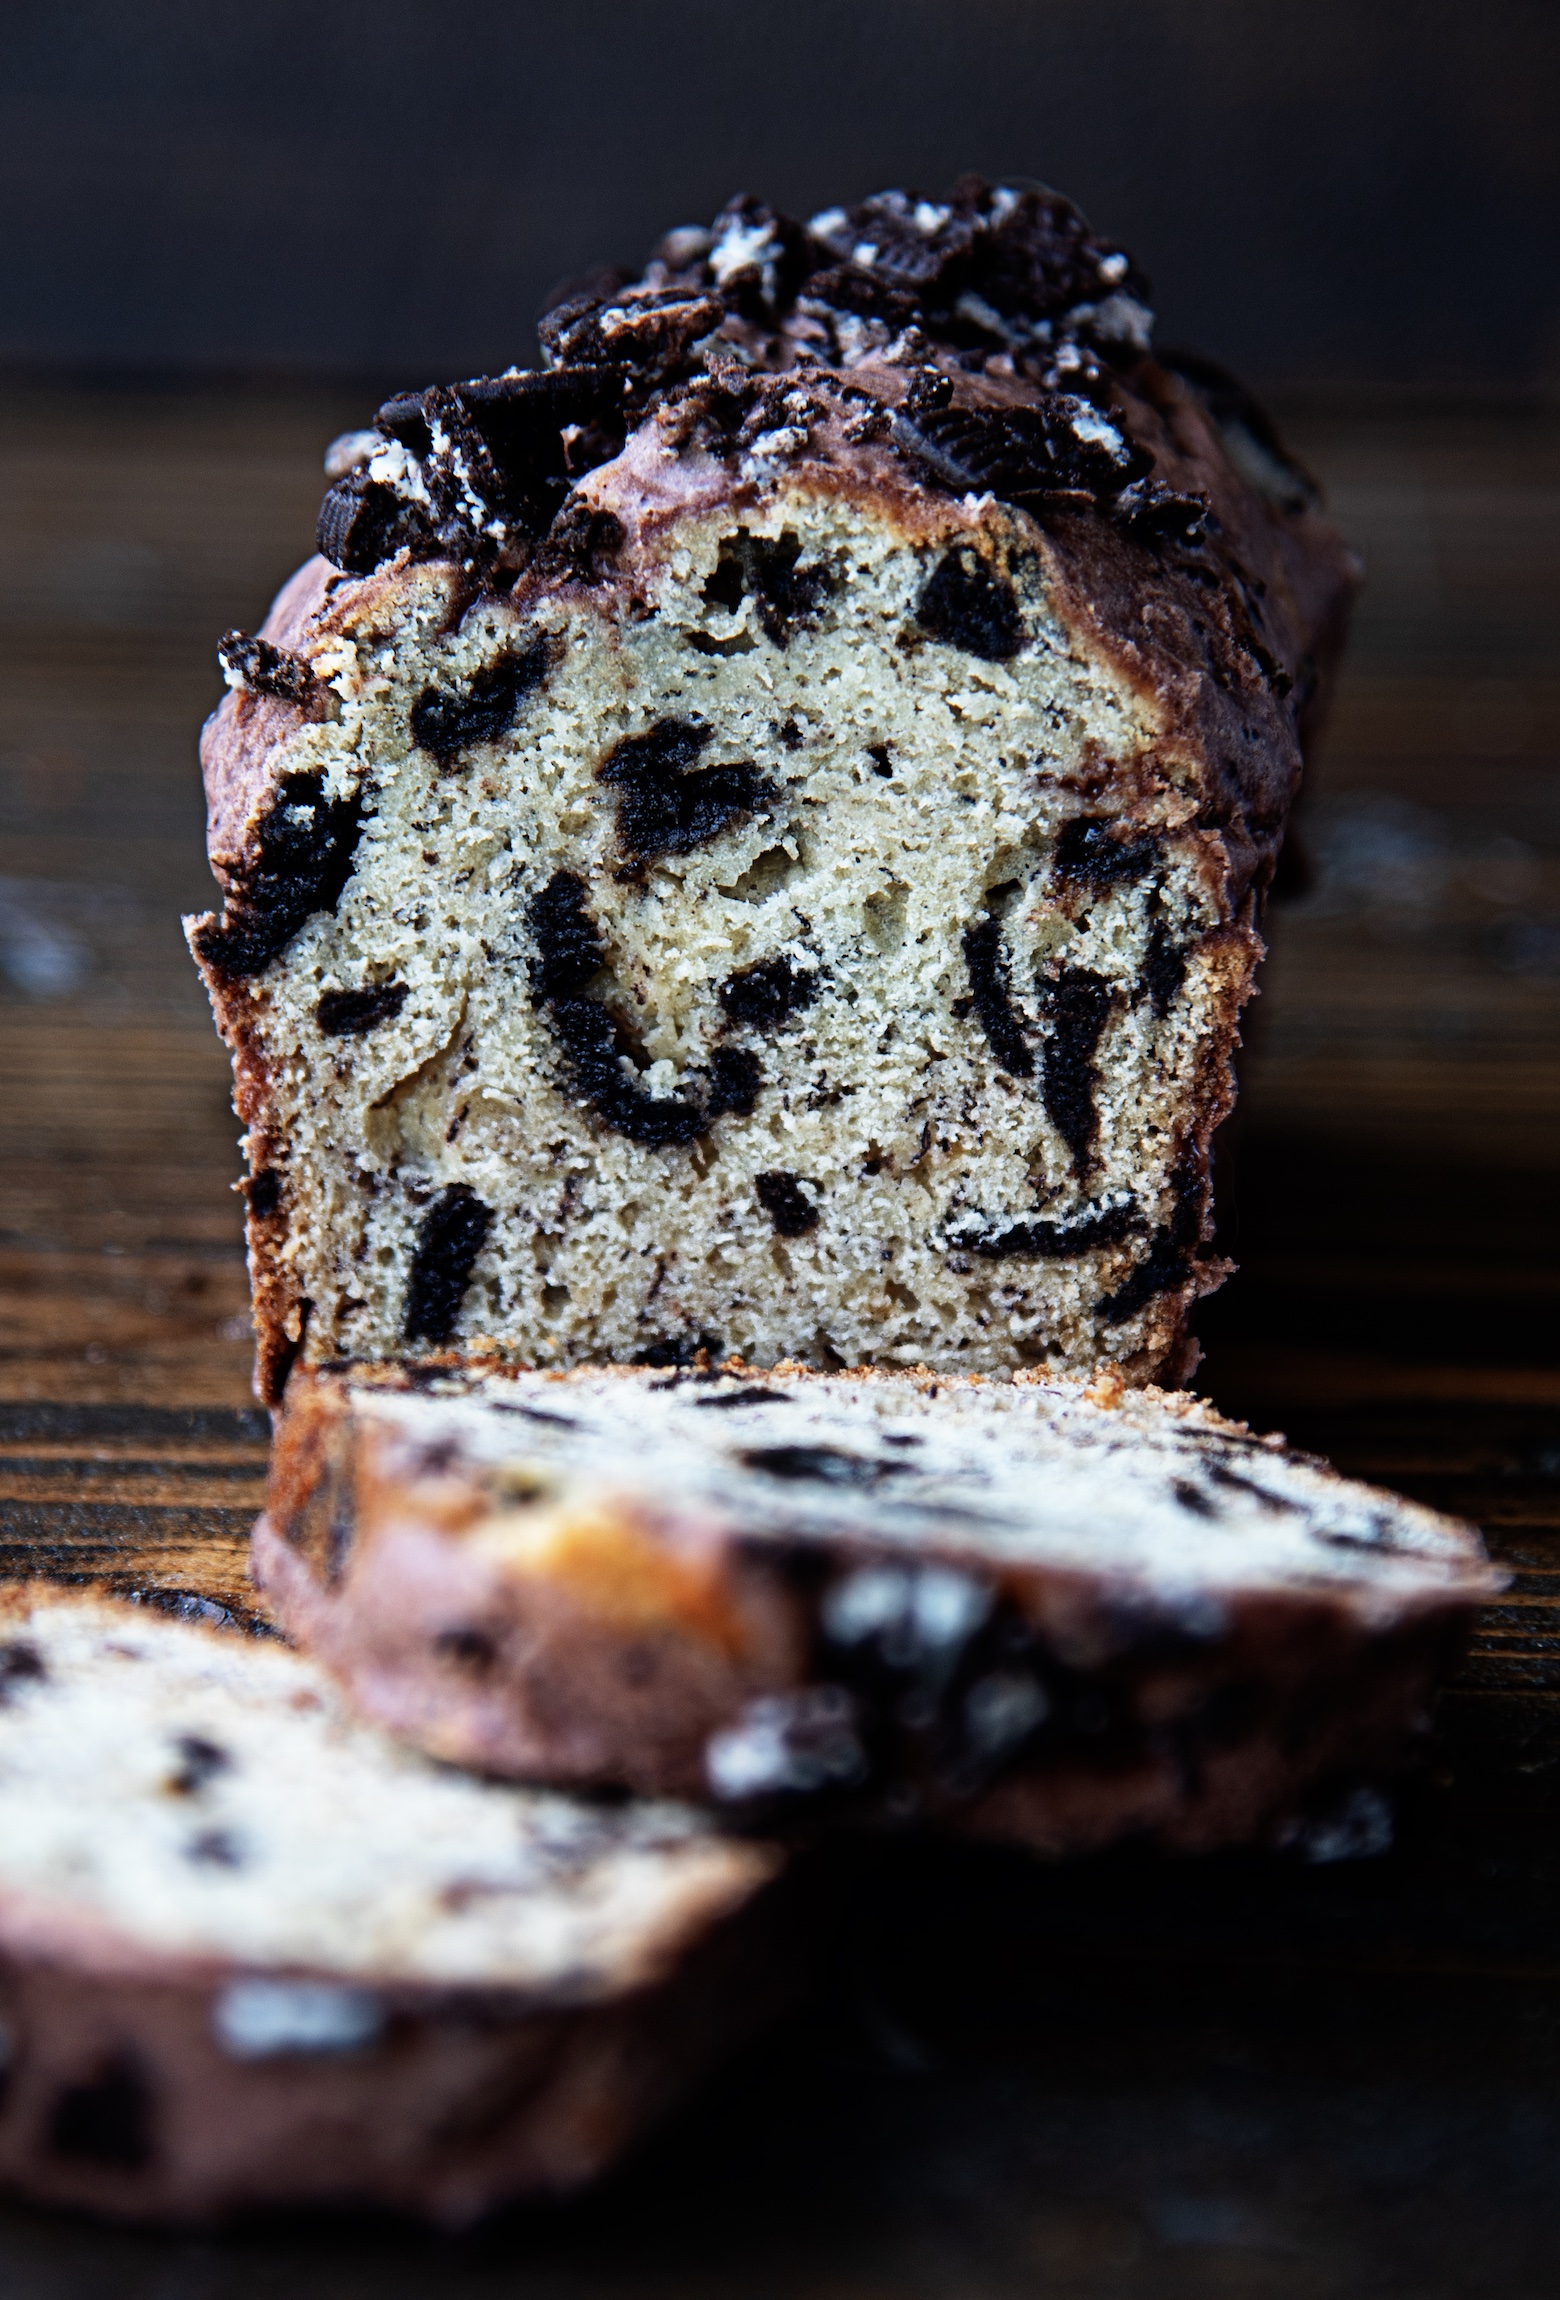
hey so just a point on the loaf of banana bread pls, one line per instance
(752, 836)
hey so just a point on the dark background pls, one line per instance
(1326, 192)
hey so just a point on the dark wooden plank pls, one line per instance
(1132, 2077)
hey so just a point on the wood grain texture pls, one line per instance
(1392, 1192)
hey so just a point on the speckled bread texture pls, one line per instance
(1036, 1610)
(754, 836)
(253, 1954)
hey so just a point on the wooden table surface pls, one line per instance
(1135, 2078)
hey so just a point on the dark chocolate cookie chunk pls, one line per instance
(363, 523)
(569, 951)
(784, 594)
(453, 1233)
(349, 1013)
(768, 993)
(306, 845)
(594, 1041)
(787, 1204)
(1091, 853)
(106, 2120)
(1077, 1007)
(667, 805)
(1060, 451)
(966, 605)
(264, 669)
(992, 997)
(448, 723)
(1035, 1241)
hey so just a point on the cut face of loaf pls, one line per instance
(253, 1954)
(798, 902)
(1035, 1610)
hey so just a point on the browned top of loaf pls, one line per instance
(923, 358)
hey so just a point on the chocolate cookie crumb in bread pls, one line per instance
(1061, 1614)
(251, 1953)
(770, 815)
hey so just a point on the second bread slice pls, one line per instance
(1050, 1612)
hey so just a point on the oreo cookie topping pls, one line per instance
(753, 331)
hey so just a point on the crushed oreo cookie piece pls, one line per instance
(453, 1233)
(404, 419)
(1077, 1007)
(802, 1743)
(592, 1039)
(783, 1199)
(349, 1013)
(651, 332)
(306, 846)
(215, 1849)
(750, 1395)
(20, 1664)
(447, 724)
(667, 804)
(363, 524)
(263, 1192)
(852, 289)
(501, 437)
(568, 949)
(985, 959)
(966, 605)
(785, 595)
(579, 546)
(1063, 451)
(757, 258)
(678, 1352)
(1165, 1266)
(736, 1077)
(1163, 970)
(568, 954)
(768, 993)
(1037, 1241)
(1090, 854)
(819, 1464)
(107, 2120)
(262, 669)
(1152, 513)
(918, 247)
(199, 1760)
(993, 263)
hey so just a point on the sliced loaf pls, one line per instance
(1044, 1611)
(754, 835)
(251, 1953)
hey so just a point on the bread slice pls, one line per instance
(1041, 1611)
(251, 1953)
(753, 836)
